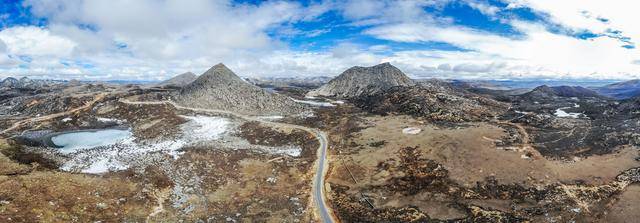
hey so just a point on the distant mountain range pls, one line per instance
(303, 82)
(26, 82)
(621, 90)
(547, 94)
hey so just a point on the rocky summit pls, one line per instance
(220, 88)
(358, 81)
(179, 81)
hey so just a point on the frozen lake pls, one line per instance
(73, 141)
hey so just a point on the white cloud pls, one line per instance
(148, 38)
(29, 40)
(583, 14)
(155, 39)
(538, 53)
(3, 46)
(483, 7)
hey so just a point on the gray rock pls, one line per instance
(219, 88)
(179, 81)
(358, 81)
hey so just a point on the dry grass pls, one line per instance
(62, 197)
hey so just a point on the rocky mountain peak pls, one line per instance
(179, 80)
(220, 72)
(220, 88)
(357, 81)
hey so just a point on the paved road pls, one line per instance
(322, 164)
(318, 183)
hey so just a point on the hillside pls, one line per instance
(179, 81)
(220, 88)
(358, 81)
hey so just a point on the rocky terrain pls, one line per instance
(177, 164)
(359, 81)
(423, 151)
(179, 81)
(434, 100)
(220, 88)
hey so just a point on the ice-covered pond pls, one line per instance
(77, 140)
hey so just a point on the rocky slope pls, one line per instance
(435, 101)
(179, 81)
(358, 81)
(220, 88)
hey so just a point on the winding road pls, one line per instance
(87, 105)
(322, 164)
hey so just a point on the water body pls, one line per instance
(77, 140)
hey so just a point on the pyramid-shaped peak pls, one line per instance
(220, 88)
(357, 81)
(220, 71)
(220, 67)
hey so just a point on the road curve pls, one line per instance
(318, 181)
(21, 123)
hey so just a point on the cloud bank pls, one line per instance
(156, 39)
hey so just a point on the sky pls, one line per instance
(453, 39)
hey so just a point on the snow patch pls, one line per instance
(203, 128)
(110, 120)
(315, 103)
(104, 165)
(116, 155)
(563, 114)
(411, 130)
(271, 118)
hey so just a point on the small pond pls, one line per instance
(70, 142)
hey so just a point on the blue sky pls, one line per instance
(479, 39)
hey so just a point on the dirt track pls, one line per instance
(87, 105)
